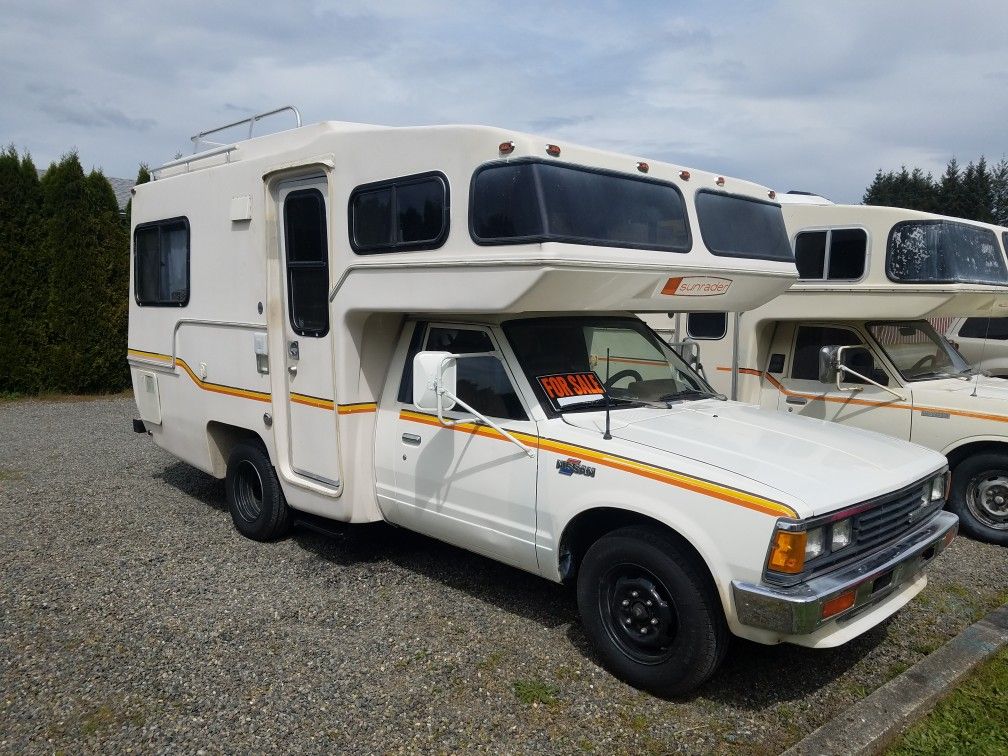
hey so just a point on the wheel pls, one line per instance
(650, 612)
(257, 503)
(980, 496)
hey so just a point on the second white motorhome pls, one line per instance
(431, 327)
(852, 341)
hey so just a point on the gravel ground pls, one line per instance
(133, 617)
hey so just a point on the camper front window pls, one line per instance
(940, 251)
(734, 225)
(584, 363)
(532, 201)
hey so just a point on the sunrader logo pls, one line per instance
(696, 286)
(574, 467)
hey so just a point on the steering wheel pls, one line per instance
(620, 375)
(927, 358)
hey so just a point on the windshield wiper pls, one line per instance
(600, 402)
(691, 394)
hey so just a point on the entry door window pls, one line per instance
(307, 262)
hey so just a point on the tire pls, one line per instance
(257, 504)
(669, 646)
(978, 483)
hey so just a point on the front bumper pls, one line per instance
(798, 609)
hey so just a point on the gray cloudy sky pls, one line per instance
(803, 95)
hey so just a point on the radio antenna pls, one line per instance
(605, 390)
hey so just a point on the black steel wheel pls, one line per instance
(980, 497)
(651, 611)
(255, 499)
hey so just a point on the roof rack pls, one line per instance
(221, 148)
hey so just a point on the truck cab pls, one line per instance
(433, 327)
(854, 341)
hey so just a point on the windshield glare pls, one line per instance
(640, 369)
(918, 351)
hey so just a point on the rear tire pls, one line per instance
(650, 611)
(980, 497)
(257, 504)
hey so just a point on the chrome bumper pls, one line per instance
(797, 609)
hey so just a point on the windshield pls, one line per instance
(918, 351)
(533, 201)
(736, 226)
(565, 360)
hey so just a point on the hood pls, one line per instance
(819, 465)
(991, 394)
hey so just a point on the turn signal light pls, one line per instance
(553, 150)
(841, 603)
(788, 552)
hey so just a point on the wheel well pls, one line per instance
(222, 438)
(588, 526)
(960, 453)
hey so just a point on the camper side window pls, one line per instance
(707, 325)
(161, 263)
(837, 254)
(402, 214)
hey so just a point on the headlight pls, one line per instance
(815, 543)
(938, 486)
(841, 534)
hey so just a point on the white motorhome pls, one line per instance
(983, 342)
(431, 327)
(872, 280)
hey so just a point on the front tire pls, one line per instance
(980, 497)
(649, 610)
(257, 504)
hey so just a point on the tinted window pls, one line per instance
(847, 248)
(944, 251)
(810, 339)
(707, 325)
(161, 263)
(535, 201)
(736, 226)
(985, 328)
(402, 214)
(307, 252)
(810, 254)
(482, 382)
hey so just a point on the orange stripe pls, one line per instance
(865, 402)
(312, 401)
(631, 360)
(634, 467)
(356, 409)
(216, 388)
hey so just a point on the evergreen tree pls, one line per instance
(143, 176)
(950, 190)
(23, 294)
(999, 192)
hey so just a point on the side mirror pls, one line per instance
(829, 364)
(433, 375)
(690, 352)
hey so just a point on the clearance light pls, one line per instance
(552, 150)
(773, 194)
(839, 604)
(643, 167)
(788, 552)
(720, 181)
(684, 175)
(506, 148)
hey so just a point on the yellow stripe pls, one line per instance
(358, 408)
(312, 401)
(217, 388)
(149, 355)
(653, 472)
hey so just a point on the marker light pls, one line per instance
(841, 603)
(840, 534)
(788, 552)
(773, 194)
(684, 175)
(720, 181)
(553, 150)
(506, 148)
(643, 167)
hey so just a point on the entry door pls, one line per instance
(467, 484)
(869, 407)
(308, 379)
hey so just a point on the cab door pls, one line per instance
(307, 382)
(801, 392)
(467, 484)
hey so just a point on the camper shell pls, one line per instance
(881, 284)
(431, 327)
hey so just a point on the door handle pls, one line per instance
(292, 369)
(411, 438)
(796, 400)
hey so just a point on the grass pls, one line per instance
(535, 692)
(972, 720)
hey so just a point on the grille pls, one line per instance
(889, 519)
